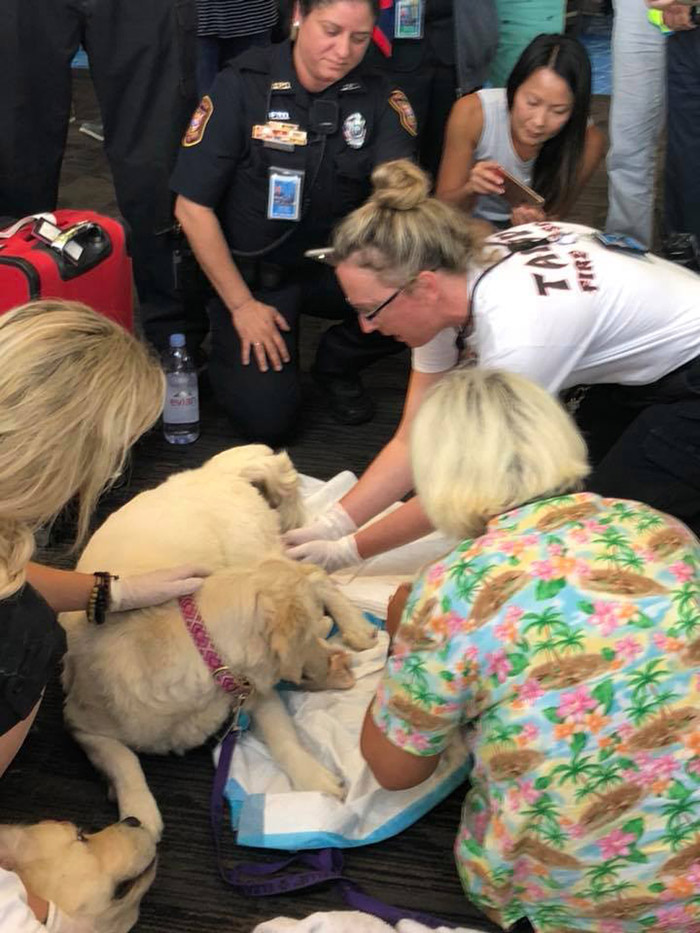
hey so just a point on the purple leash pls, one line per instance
(324, 865)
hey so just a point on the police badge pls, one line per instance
(355, 130)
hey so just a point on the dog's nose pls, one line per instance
(131, 821)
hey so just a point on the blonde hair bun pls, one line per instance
(400, 185)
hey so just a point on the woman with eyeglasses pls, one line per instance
(547, 300)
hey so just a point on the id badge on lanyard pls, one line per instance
(408, 22)
(284, 193)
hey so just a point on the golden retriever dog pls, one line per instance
(139, 682)
(99, 877)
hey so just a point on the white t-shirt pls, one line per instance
(15, 914)
(575, 312)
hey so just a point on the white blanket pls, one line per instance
(265, 811)
(349, 921)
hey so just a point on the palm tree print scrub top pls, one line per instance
(568, 638)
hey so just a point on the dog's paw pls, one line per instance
(307, 774)
(323, 781)
(361, 635)
(340, 677)
(145, 809)
(323, 627)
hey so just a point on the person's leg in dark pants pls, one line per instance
(682, 175)
(142, 59)
(656, 460)
(38, 40)
(213, 52)
(263, 406)
(344, 350)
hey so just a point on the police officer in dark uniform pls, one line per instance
(142, 64)
(421, 59)
(280, 150)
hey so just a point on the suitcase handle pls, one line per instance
(66, 242)
(9, 232)
(75, 249)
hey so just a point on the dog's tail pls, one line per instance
(273, 475)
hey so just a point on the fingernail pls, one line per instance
(278, 369)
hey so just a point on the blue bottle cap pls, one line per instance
(177, 340)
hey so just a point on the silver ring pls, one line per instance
(256, 343)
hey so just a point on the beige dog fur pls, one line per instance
(138, 682)
(100, 877)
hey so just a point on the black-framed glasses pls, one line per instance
(370, 315)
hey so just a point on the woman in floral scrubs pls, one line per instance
(565, 632)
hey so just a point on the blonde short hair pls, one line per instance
(401, 231)
(486, 441)
(76, 390)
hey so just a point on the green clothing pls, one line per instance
(519, 21)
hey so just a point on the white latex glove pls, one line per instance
(58, 922)
(329, 526)
(331, 555)
(158, 586)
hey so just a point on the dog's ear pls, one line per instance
(286, 622)
(277, 482)
(10, 845)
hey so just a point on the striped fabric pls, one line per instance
(229, 18)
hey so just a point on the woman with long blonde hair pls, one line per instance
(76, 391)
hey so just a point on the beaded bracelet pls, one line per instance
(98, 602)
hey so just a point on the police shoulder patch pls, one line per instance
(402, 105)
(198, 123)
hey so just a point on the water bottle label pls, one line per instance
(181, 407)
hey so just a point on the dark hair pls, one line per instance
(557, 164)
(306, 6)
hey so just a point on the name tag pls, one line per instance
(408, 22)
(284, 193)
(275, 132)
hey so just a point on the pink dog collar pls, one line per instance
(238, 687)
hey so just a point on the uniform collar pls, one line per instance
(284, 80)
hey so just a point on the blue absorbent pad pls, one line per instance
(266, 812)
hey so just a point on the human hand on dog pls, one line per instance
(258, 327)
(158, 586)
(331, 555)
(332, 524)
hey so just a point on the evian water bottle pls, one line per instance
(181, 411)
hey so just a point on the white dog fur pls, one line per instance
(97, 877)
(138, 681)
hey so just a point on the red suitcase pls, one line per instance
(79, 255)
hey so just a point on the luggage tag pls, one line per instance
(284, 193)
(408, 23)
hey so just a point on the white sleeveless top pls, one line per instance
(495, 144)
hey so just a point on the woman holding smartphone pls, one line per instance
(537, 129)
